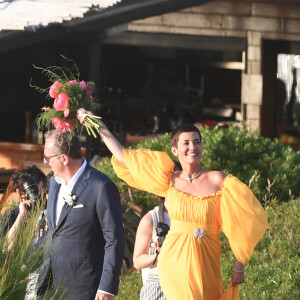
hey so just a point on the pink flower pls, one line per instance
(61, 103)
(54, 88)
(62, 125)
(85, 87)
(73, 82)
(66, 112)
(83, 84)
(88, 91)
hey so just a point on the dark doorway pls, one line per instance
(171, 85)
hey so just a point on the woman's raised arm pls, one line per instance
(108, 138)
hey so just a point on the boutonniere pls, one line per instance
(70, 199)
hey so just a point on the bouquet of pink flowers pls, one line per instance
(69, 95)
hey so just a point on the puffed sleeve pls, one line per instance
(145, 170)
(242, 218)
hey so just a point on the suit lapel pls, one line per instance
(77, 190)
(51, 209)
(63, 214)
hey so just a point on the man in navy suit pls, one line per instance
(85, 236)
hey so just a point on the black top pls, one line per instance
(8, 219)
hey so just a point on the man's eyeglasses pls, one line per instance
(47, 158)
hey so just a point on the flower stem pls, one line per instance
(91, 123)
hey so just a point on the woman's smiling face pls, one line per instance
(189, 148)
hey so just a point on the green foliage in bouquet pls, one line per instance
(67, 95)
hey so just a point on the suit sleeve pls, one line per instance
(109, 212)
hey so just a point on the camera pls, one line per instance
(161, 231)
(32, 192)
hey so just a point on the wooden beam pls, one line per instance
(175, 41)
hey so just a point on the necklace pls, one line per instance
(189, 179)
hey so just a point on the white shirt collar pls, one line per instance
(75, 177)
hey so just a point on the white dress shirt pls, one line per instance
(66, 189)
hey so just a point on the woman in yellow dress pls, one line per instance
(200, 202)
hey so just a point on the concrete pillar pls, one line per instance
(252, 81)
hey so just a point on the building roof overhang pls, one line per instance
(93, 22)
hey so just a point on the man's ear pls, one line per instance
(65, 159)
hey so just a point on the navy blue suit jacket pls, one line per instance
(86, 248)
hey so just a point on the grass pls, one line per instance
(130, 285)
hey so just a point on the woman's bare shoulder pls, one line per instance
(217, 177)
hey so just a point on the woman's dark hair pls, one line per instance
(177, 166)
(30, 172)
(65, 144)
(180, 129)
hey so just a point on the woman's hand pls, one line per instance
(81, 114)
(23, 214)
(107, 137)
(91, 122)
(23, 207)
(238, 275)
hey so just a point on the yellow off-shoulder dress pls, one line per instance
(189, 261)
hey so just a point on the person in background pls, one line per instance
(15, 186)
(27, 182)
(200, 202)
(145, 255)
(40, 230)
(41, 223)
